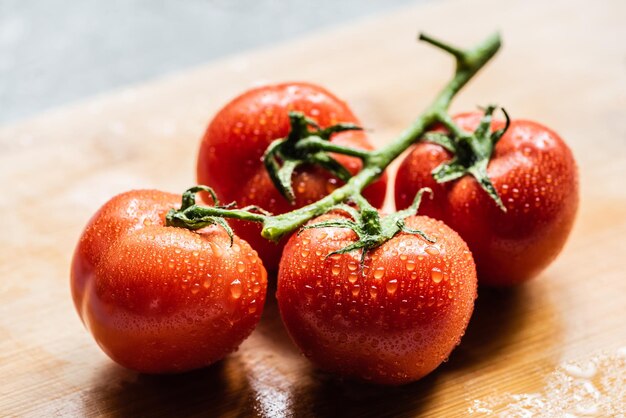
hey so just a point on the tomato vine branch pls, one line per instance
(469, 62)
(306, 145)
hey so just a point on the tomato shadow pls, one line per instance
(206, 392)
(271, 327)
(315, 393)
(501, 319)
(331, 397)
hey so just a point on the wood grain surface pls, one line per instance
(563, 63)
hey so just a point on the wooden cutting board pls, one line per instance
(563, 63)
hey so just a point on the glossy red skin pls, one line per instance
(536, 176)
(230, 157)
(389, 323)
(159, 299)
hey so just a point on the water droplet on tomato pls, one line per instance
(241, 266)
(431, 250)
(352, 277)
(336, 269)
(195, 288)
(352, 266)
(410, 265)
(403, 257)
(379, 272)
(331, 185)
(436, 275)
(355, 290)
(236, 289)
(392, 286)
(207, 281)
(216, 249)
(252, 306)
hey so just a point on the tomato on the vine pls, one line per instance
(230, 157)
(535, 174)
(160, 299)
(391, 320)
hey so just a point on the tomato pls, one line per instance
(391, 321)
(534, 173)
(230, 157)
(160, 299)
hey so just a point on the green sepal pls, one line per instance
(371, 229)
(326, 133)
(449, 171)
(284, 155)
(193, 217)
(330, 164)
(479, 171)
(284, 175)
(472, 152)
(441, 139)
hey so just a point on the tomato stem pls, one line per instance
(304, 145)
(314, 143)
(469, 62)
(283, 155)
(456, 52)
(192, 216)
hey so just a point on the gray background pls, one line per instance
(57, 51)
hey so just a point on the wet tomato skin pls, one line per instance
(536, 176)
(230, 156)
(160, 299)
(392, 322)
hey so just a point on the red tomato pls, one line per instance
(160, 299)
(391, 322)
(534, 173)
(230, 158)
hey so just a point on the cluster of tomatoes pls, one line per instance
(163, 299)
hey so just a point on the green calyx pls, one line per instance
(192, 216)
(306, 143)
(472, 152)
(371, 228)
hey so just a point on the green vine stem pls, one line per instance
(468, 63)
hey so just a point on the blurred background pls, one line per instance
(53, 52)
